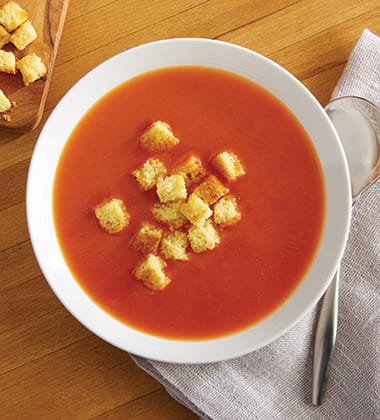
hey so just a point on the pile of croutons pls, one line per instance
(18, 30)
(193, 204)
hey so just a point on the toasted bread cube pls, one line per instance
(147, 239)
(7, 62)
(151, 271)
(12, 16)
(228, 165)
(210, 190)
(112, 215)
(196, 210)
(5, 103)
(32, 68)
(149, 173)
(5, 36)
(203, 237)
(170, 214)
(171, 188)
(191, 169)
(226, 211)
(158, 137)
(174, 245)
(23, 36)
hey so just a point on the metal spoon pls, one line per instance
(357, 122)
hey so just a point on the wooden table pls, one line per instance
(50, 366)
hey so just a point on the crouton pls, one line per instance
(5, 103)
(158, 137)
(151, 271)
(228, 165)
(147, 239)
(171, 188)
(196, 210)
(149, 173)
(23, 36)
(191, 169)
(5, 36)
(112, 215)
(7, 62)
(170, 214)
(203, 237)
(210, 190)
(12, 16)
(32, 68)
(226, 211)
(173, 246)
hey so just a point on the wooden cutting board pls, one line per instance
(47, 17)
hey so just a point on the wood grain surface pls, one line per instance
(50, 366)
(47, 17)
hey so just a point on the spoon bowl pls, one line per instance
(357, 122)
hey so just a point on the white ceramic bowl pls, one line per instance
(117, 70)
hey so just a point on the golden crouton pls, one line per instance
(4, 36)
(32, 68)
(23, 35)
(112, 215)
(149, 173)
(191, 169)
(171, 188)
(158, 137)
(228, 165)
(147, 239)
(12, 16)
(5, 103)
(170, 214)
(151, 271)
(196, 210)
(203, 237)
(210, 190)
(7, 62)
(173, 246)
(226, 211)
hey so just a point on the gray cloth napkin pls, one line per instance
(275, 381)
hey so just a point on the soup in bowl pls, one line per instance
(188, 200)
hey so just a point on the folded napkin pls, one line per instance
(275, 381)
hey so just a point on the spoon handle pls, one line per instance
(324, 339)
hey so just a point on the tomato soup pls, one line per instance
(259, 261)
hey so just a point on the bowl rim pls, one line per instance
(75, 299)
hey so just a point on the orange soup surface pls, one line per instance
(260, 260)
